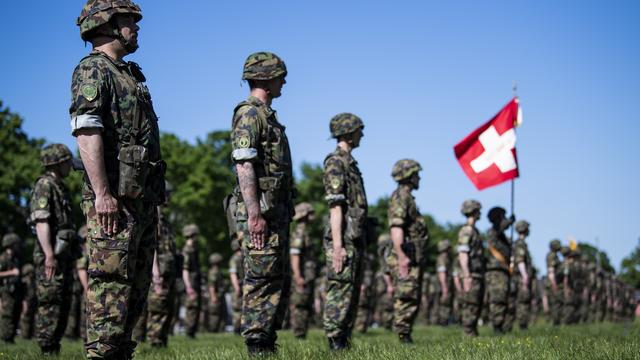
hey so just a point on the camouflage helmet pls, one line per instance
(555, 245)
(522, 226)
(190, 230)
(384, 239)
(302, 210)
(470, 206)
(344, 123)
(444, 245)
(235, 245)
(27, 269)
(99, 12)
(55, 154)
(496, 214)
(10, 240)
(404, 169)
(215, 259)
(565, 251)
(263, 65)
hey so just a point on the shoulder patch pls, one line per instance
(243, 141)
(335, 183)
(89, 91)
(42, 202)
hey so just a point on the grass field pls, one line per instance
(604, 341)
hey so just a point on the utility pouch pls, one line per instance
(269, 186)
(64, 242)
(134, 168)
(354, 229)
(409, 249)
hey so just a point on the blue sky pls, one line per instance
(421, 74)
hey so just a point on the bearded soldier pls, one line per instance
(264, 205)
(344, 240)
(117, 132)
(55, 253)
(303, 270)
(472, 267)
(554, 282)
(523, 275)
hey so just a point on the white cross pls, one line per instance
(497, 150)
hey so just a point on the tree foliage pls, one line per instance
(630, 268)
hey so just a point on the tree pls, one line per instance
(630, 269)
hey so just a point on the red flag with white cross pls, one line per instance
(488, 155)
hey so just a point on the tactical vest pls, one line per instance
(273, 169)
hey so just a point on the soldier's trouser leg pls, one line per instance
(445, 309)
(523, 310)
(140, 330)
(236, 316)
(72, 331)
(472, 306)
(498, 288)
(510, 313)
(301, 308)
(54, 301)
(119, 277)
(27, 321)
(215, 316)
(8, 315)
(343, 292)
(568, 310)
(83, 319)
(192, 315)
(160, 306)
(407, 295)
(265, 288)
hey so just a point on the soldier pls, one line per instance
(54, 256)
(457, 290)
(523, 275)
(10, 289)
(498, 267)
(443, 268)
(568, 293)
(117, 132)
(217, 306)
(236, 276)
(384, 284)
(192, 277)
(472, 267)
(555, 281)
(365, 299)
(82, 265)
(409, 234)
(29, 302)
(303, 269)
(76, 326)
(264, 205)
(162, 295)
(344, 240)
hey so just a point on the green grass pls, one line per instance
(603, 341)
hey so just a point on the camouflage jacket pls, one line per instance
(469, 241)
(404, 213)
(9, 261)
(257, 136)
(497, 240)
(521, 254)
(302, 245)
(192, 265)
(111, 96)
(166, 250)
(215, 279)
(344, 186)
(553, 262)
(443, 265)
(236, 266)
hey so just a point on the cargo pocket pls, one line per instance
(108, 258)
(264, 263)
(347, 273)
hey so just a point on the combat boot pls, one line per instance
(51, 350)
(260, 349)
(405, 339)
(338, 343)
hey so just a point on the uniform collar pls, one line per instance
(258, 103)
(118, 63)
(346, 154)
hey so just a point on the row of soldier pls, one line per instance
(130, 263)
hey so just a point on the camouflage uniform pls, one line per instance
(76, 309)
(443, 266)
(384, 303)
(457, 290)
(303, 246)
(30, 301)
(469, 242)
(110, 95)
(569, 295)
(215, 280)
(498, 280)
(236, 267)
(554, 298)
(521, 255)
(258, 137)
(161, 305)
(344, 187)
(366, 300)
(10, 289)
(191, 265)
(51, 203)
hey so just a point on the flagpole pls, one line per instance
(513, 181)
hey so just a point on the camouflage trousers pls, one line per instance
(472, 305)
(9, 313)
(74, 324)
(343, 292)
(302, 306)
(192, 315)
(406, 298)
(160, 311)
(265, 289)
(119, 276)
(444, 308)
(139, 333)
(523, 306)
(216, 314)
(236, 310)
(28, 318)
(570, 309)
(498, 290)
(555, 302)
(364, 312)
(384, 310)
(512, 303)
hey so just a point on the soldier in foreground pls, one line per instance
(498, 277)
(344, 240)
(472, 267)
(215, 288)
(117, 132)
(409, 235)
(55, 254)
(10, 294)
(304, 267)
(554, 282)
(264, 206)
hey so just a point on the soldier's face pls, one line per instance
(129, 30)
(357, 136)
(415, 181)
(275, 86)
(65, 168)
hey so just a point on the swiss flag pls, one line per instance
(488, 155)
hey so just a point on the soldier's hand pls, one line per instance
(403, 264)
(338, 259)
(50, 265)
(107, 213)
(258, 231)
(466, 284)
(214, 300)
(14, 272)
(157, 284)
(299, 283)
(445, 294)
(191, 293)
(390, 291)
